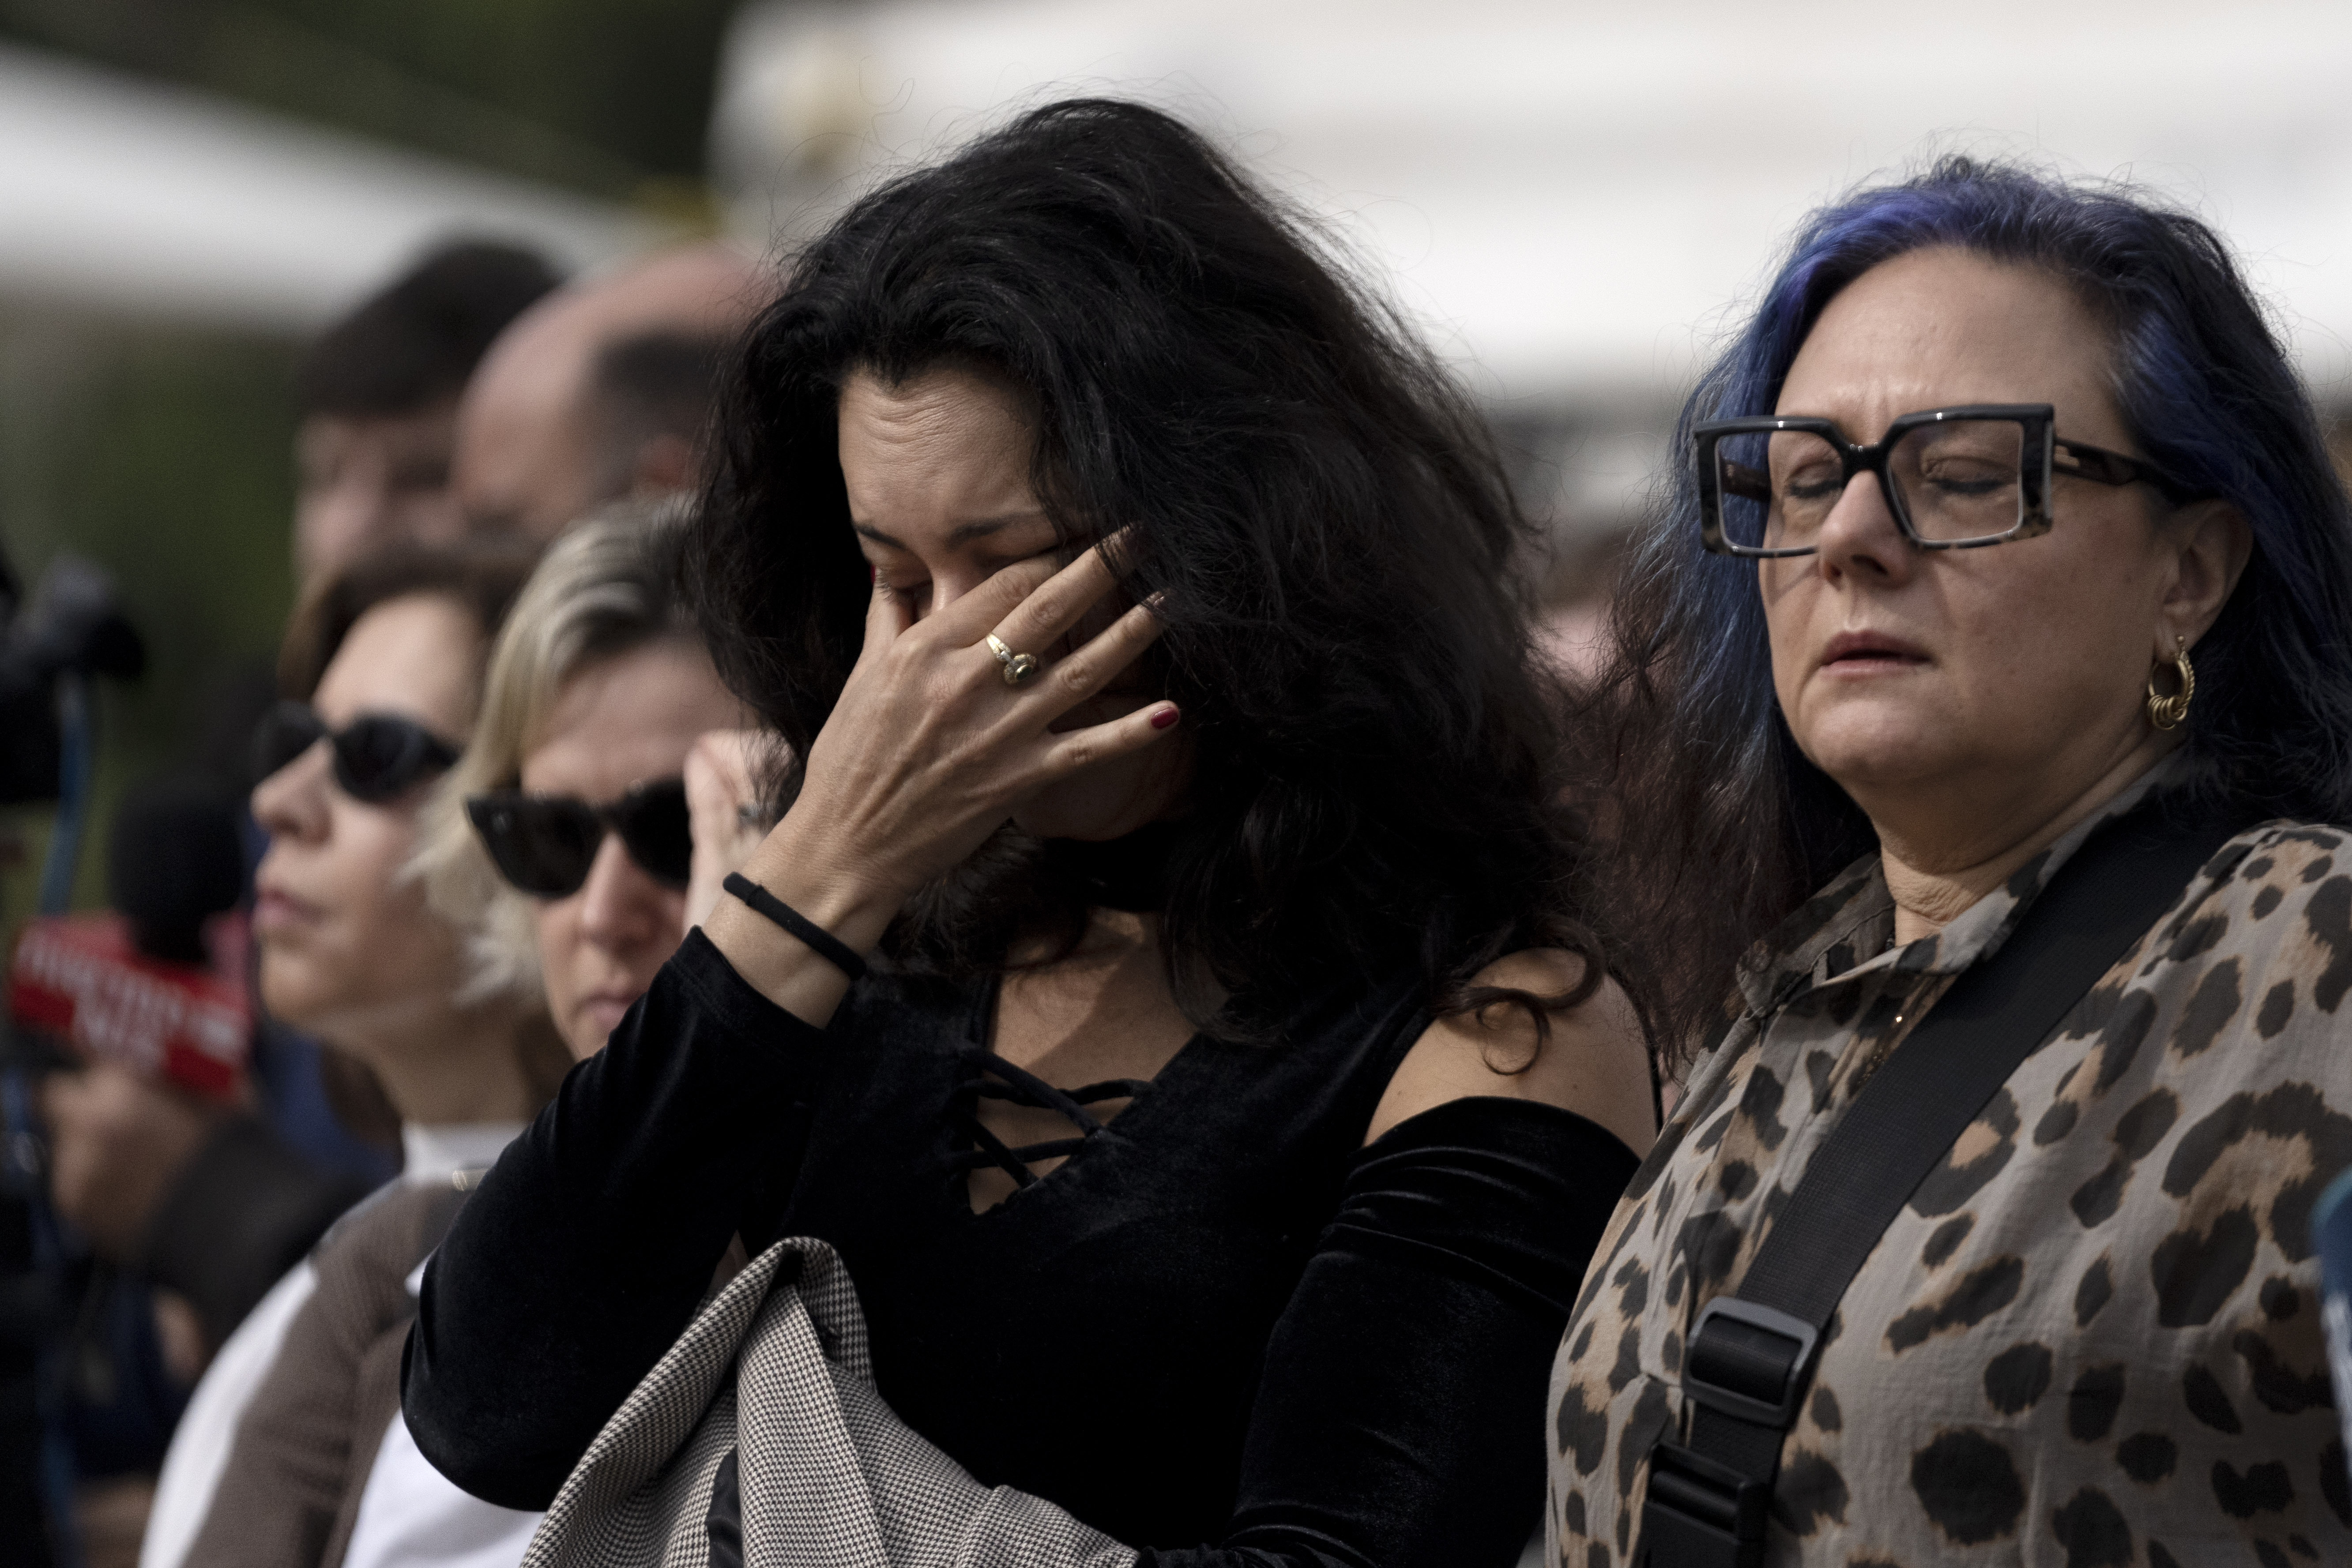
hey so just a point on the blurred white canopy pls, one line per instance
(119, 195)
(1572, 194)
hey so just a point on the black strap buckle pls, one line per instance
(1749, 1361)
(1700, 1515)
(1753, 1364)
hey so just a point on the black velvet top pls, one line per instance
(1223, 1329)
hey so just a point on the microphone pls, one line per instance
(175, 859)
(158, 983)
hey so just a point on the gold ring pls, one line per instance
(1018, 666)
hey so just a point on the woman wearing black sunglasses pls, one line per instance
(595, 688)
(1219, 1128)
(562, 839)
(388, 662)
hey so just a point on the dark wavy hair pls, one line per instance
(1727, 828)
(413, 345)
(1315, 499)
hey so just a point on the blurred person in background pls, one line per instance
(208, 1205)
(601, 391)
(137, 1167)
(2006, 544)
(1182, 1051)
(383, 670)
(378, 393)
(560, 844)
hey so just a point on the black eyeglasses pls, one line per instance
(379, 757)
(1956, 479)
(544, 843)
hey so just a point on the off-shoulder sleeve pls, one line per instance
(591, 1241)
(1399, 1418)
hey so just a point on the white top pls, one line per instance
(431, 1155)
(199, 1451)
(200, 1447)
(411, 1515)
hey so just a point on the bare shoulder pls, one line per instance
(1593, 1061)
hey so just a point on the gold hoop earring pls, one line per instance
(2167, 713)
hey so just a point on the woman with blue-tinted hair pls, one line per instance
(1984, 699)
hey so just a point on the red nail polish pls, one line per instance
(1164, 718)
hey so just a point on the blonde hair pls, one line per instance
(610, 586)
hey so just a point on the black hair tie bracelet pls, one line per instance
(818, 939)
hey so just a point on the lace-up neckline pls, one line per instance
(993, 1077)
(985, 1076)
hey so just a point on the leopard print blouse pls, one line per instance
(2093, 1337)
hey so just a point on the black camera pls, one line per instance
(49, 653)
(73, 628)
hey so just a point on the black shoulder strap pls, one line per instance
(1750, 1355)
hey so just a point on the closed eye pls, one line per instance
(990, 565)
(1966, 477)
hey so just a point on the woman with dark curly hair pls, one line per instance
(1228, 1105)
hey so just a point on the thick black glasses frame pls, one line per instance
(622, 817)
(365, 773)
(2041, 447)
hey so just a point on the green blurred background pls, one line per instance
(164, 452)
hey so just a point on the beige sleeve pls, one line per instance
(301, 1453)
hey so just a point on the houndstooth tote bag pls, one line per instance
(775, 1366)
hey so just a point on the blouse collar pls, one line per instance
(437, 1154)
(1846, 931)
